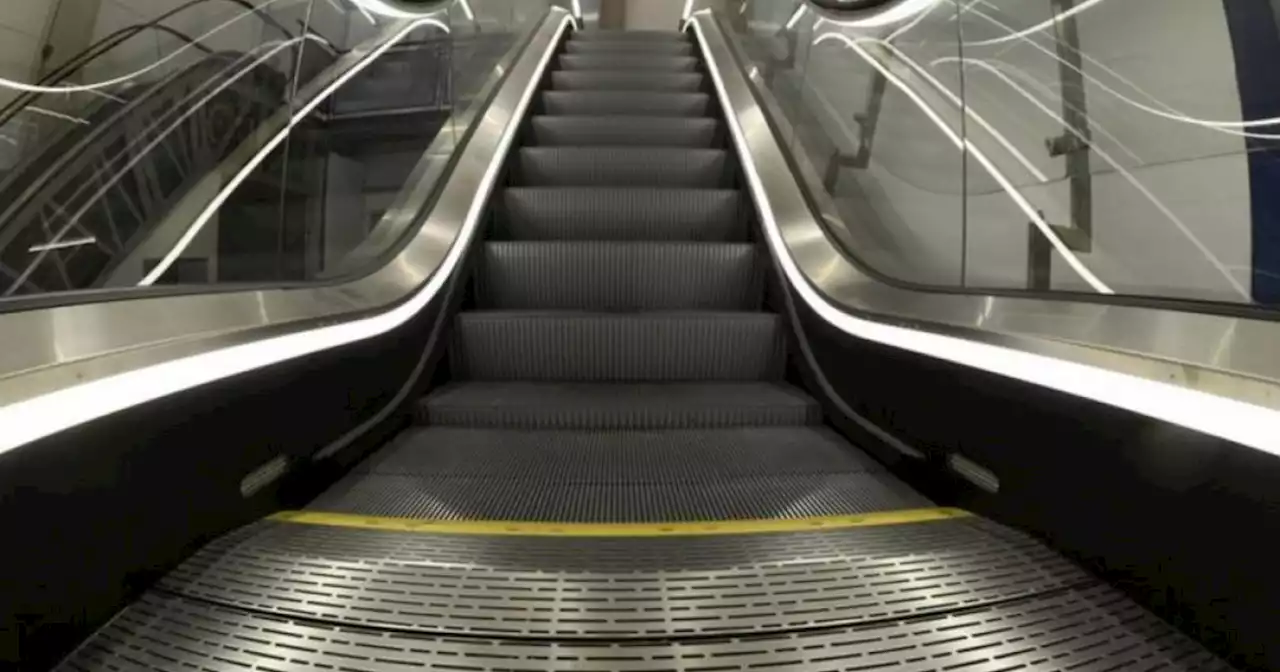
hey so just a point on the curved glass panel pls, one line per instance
(218, 142)
(1089, 146)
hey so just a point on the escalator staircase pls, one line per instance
(618, 475)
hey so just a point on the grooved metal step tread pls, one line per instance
(599, 347)
(625, 80)
(1091, 629)
(665, 457)
(622, 167)
(627, 62)
(619, 276)
(524, 405)
(575, 213)
(764, 497)
(650, 103)
(637, 48)
(608, 35)
(402, 580)
(617, 131)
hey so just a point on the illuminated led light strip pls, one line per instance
(36, 88)
(899, 12)
(234, 183)
(365, 13)
(136, 157)
(382, 8)
(466, 9)
(964, 145)
(56, 115)
(795, 16)
(1173, 113)
(1056, 19)
(33, 419)
(1029, 82)
(1237, 421)
(899, 32)
(63, 244)
(967, 110)
(1128, 176)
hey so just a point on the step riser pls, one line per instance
(629, 36)
(625, 131)
(622, 167)
(606, 406)
(568, 80)
(605, 348)
(620, 276)
(639, 48)
(587, 63)
(588, 103)
(622, 214)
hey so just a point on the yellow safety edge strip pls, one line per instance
(544, 529)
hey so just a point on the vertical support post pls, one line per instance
(869, 118)
(1039, 260)
(1073, 145)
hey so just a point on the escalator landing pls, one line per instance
(958, 592)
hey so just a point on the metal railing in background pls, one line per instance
(1054, 145)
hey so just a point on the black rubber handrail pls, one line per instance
(115, 39)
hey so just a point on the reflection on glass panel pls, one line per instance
(192, 142)
(1135, 110)
(1095, 146)
(870, 130)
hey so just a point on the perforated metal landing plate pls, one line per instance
(1090, 630)
(521, 585)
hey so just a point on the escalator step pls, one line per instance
(618, 131)
(638, 47)
(462, 498)
(615, 62)
(559, 346)
(622, 167)
(625, 80)
(670, 457)
(610, 275)
(607, 35)
(621, 214)
(626, 103)
(522, 405)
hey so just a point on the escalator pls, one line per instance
(619, 469)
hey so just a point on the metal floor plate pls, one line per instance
(1082, 630)
(620, 588)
